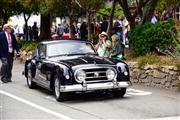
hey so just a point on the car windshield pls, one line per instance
(69, 48)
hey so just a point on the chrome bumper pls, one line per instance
(95, 86)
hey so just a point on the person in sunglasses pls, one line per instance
(104, 45)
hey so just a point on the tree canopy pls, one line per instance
(9, 8)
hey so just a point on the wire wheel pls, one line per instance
(31, 84)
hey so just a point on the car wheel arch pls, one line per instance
(57, 73)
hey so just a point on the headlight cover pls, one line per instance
(110, 74)
(80, 75)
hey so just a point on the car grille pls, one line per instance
(96, 75)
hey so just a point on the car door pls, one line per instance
(41, 69)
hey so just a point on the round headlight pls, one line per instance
(81, 75)
(67, 77)
(110, 74)
(125, 73)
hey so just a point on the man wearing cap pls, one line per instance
(8, 44)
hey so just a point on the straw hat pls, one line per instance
(104, 33)
(6, 26)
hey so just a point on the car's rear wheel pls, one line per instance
(31, 84)
(120, 93)
(60, 96)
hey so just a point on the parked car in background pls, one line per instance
(76, 68)
(64, 36)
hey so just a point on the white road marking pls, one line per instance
(136, 92)
(163, 118)
(36, 106)
(166, 118)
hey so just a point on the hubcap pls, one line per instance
(57, 87)
(29, 78)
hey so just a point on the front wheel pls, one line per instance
(60, 96)
(31, 84)
(120, 93)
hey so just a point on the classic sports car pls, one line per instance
(69, 66)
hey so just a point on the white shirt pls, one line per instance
(154, 19)
(10, 48)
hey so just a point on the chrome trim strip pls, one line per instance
(95, 77)
(96, 71)
(96, 86)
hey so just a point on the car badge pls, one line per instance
(96, 74)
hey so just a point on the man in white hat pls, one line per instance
(8, 44)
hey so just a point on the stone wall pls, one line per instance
(153, 75)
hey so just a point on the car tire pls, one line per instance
(31, 84)
(120, 93)
(60, 96)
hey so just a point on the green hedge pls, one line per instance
(27, 45)
(145, 38)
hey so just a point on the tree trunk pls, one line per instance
(130, 18)
(26, 25)
(45, 32)
(71, 20)
(149, 11)
(89, 24)
(109, 29)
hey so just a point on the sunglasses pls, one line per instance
(103, 36)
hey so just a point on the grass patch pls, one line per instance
(27, 45)
(154, 59)
(148, 59)
(177, 64)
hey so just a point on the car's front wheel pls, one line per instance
(120, 93)
(31, 84)
(60, 96)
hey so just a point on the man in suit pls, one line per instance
(8, 44)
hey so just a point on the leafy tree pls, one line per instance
(166, 5)
(28, 7)
(139, 7)
(62, 8)
(91, 7)
(72, 9)
(9, 8)
(148, 10)
(106, 11)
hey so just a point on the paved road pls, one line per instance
(19, 102)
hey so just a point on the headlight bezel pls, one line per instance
(79, 74)
(112, 74)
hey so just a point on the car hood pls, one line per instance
(82, 60)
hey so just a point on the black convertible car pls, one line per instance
(68, 66)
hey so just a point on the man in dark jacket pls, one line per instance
(8, 44)
(118, 23)
(104, 25)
